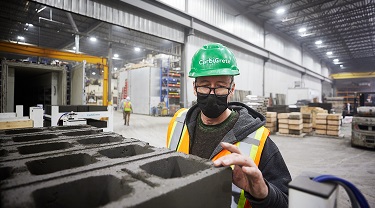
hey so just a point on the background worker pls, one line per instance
(127, 110)
(229, 133)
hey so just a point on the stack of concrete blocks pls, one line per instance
(283, 120)
(321, 123)
(85, 167)
(337, 104)
(271, 118)
(295, 123)
(258, 103)
(313, 111)
(307, 123)
(333, 124)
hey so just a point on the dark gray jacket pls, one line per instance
(272, 165)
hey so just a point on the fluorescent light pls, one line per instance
(115, 68)
(93, 73)
(341, 66)
(137, 49)
(93, 39)
(41, 9)
(74, 48)
(280, 11)
(301, 30)
(30, 25)
(335, 61)
(318, 42)
(329, 53)
(115, 55)
(21, 38)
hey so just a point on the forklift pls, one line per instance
(363, 123)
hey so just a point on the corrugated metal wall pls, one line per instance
(121, 16)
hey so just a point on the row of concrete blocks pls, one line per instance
(103, 169)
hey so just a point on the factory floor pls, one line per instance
(318, 154)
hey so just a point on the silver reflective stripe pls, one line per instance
(245, 148)
(177, 131)
(236, 192)
(250, 139)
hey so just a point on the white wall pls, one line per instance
(279, 78)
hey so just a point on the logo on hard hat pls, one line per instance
(213, 61)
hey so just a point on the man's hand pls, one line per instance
(246, 174)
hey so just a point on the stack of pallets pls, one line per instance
(271, 118)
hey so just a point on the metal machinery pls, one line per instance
(30, 50)
(8, 47)
(363, 123)
(310, 190)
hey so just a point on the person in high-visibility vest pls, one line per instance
(229, 133)
(127, 110)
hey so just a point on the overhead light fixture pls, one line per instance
(335, 61)
(301, 30)
(74, 48)
(30, 25)
(329, 53)
(21, 38)
(137, 49)
(280, 11)
(93, 73)
(115, 68)
(341, 66)
(93, 39)
(37, 11)
(318, 42)
(115, 55)
(306, 34)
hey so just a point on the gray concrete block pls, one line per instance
(17, 173)
(167, 180)
(47, 133)
(60, 144)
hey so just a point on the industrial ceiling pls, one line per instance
(54, 28)
(344, 27)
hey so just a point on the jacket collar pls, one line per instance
(249, 121)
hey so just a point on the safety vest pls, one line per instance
(127, 106)
(178, 140)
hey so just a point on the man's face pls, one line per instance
(215, 82)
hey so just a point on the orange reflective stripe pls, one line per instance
(265, 134)
(221, 154)
(173, 133)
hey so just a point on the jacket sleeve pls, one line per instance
(276, 175)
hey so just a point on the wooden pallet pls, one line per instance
(292, 135)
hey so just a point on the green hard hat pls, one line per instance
(213, 59)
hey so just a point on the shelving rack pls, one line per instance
(170, 85)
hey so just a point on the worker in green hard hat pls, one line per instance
(229, 133)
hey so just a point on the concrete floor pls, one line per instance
(322, 155)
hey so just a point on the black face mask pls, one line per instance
(211, 105)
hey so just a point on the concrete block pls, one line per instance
(283, 121)
(283, 115)
(295, 121)
(60, 144)
(41, 168)
(165, 181)
(333, 122)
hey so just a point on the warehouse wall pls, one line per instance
(279, 78)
